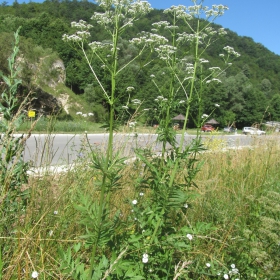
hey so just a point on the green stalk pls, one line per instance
(174, 170)
(171, 90)
(105, 197)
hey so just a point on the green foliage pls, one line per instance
(45, 24)
(13, 170)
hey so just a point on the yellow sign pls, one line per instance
(31, 114)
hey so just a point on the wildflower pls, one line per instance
(129, 89)
(186, 205)
(132, 124)
(152, 76)
(90, 114)
(189, 236)
(141, 194)
(226, 276)
(204, 116)
(217, 105)
(34, 274)
(136, 101)
(208, 264)
(134, 201)
(55, 212)
(79, 113)
(232, 265)
(202, 60)
(145, 258)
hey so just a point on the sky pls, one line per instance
(258, 19)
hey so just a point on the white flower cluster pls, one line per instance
(189, 68)
(217, 10)
(139, 7)
(34, 274)
(179, 11)
(133, 124)
(202, 60)
(145, 258)
(129, 89)
(211, 31)
(103, 19)
(136, 101)
(165, 51)
(160, 24)
(125, 11)
(100, 45)
(233, 270)
(161, 99)
(189, 236)
(186, 37)
(81, 24)
(149, 39)
(215, 69)
(82, 33)
(213, 80)
(85, 115)
(230, 50)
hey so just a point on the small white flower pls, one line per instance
(226, 276)
(204, 116)
(141, 194)
(145, 258)
(34, 274)
(79, 113)
(152, 76)
(232, 265)
(90, 114)
(134, 201)
(189, 236)
(51, 233)
(85, 132)
(208, 264)
(129, 89)
(186, 205)
(181, 101)
(217, 105)
(55, 212)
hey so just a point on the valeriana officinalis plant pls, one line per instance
(153, 239)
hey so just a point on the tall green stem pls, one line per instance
(174, 171)
(105, 197)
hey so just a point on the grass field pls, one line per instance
(232, 216)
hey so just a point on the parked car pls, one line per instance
(229, 129)
(252, 131)
(207, 128)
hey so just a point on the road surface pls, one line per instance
(63, 149)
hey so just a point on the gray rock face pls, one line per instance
(45, 103)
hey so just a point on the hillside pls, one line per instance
(250, 92)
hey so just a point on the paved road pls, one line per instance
(61, 149)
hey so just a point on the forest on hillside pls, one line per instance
(249, 91)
